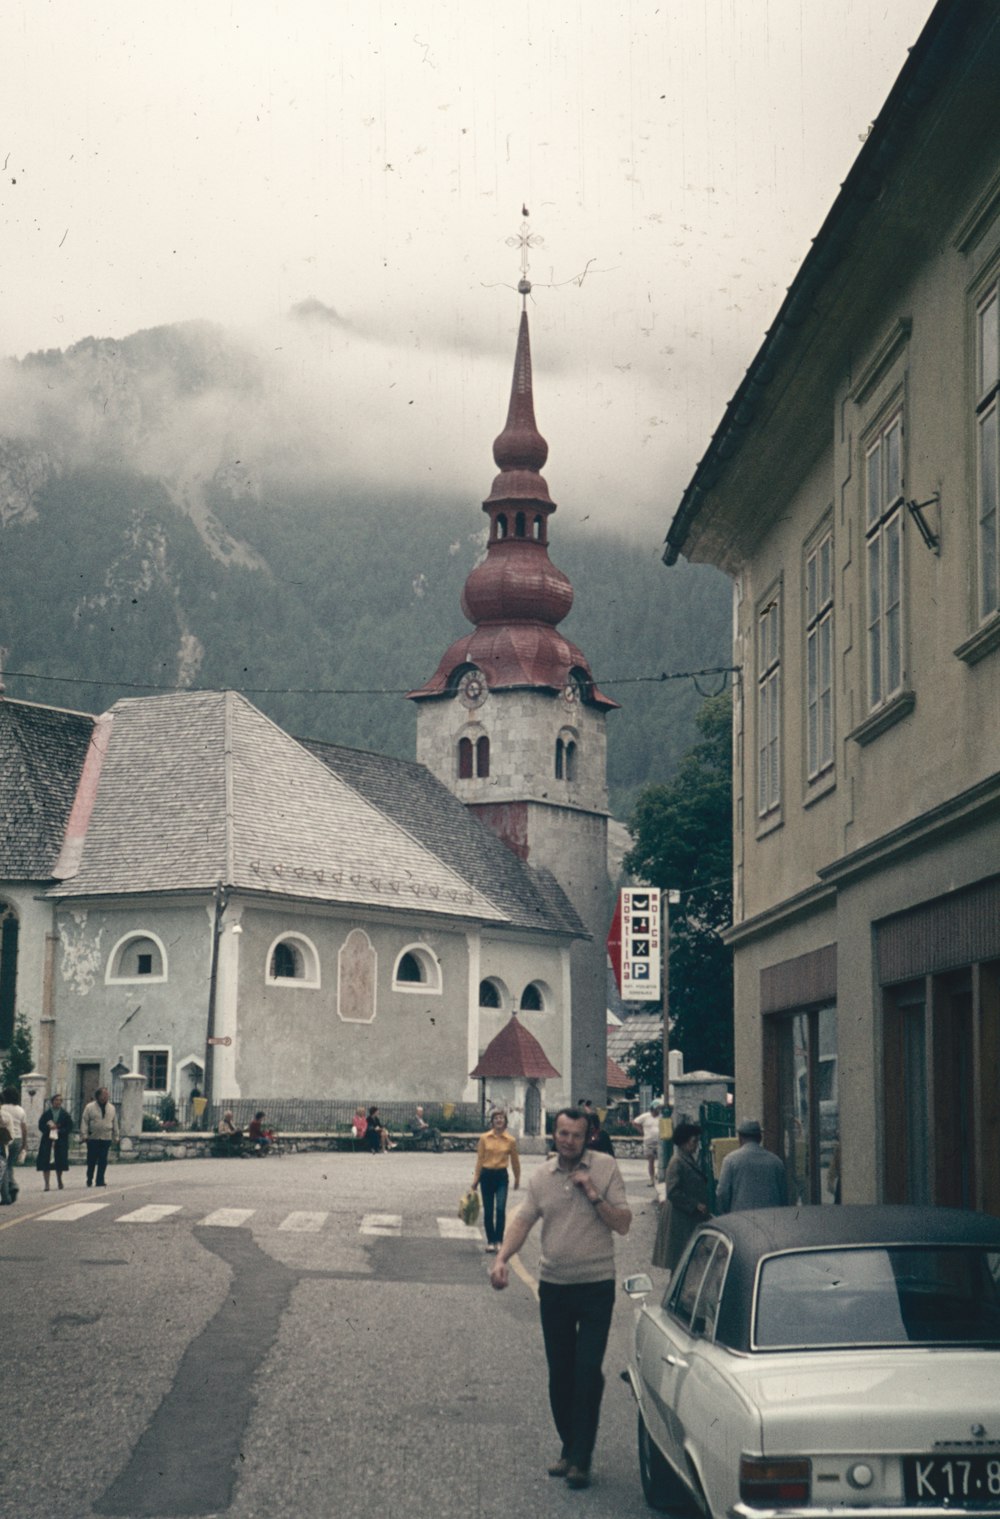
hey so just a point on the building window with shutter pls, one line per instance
(819, 658)
(769, 707)
(884, 561)
(988, 449)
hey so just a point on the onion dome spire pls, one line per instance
(516, 597)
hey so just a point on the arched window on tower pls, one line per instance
(538, 528)
(465, 759)
(560, 750)
(482, 756)
(571, 761)
(519, 525)
(501, 526)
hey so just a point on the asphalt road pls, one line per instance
(306, 1334)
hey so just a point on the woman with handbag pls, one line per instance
(496, 1150)
(53, 1151)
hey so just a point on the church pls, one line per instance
(189, 892)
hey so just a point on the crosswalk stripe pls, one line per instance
(304, 1223)
(453, 1228)
(227, 1218)
(381, 1223)
(150, 1214)
(72, 1212)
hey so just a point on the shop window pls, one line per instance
(805, 1112)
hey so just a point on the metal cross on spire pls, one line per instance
(525, 240)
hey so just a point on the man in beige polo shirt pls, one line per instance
(580, 1197)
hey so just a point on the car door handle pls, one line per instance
(673, 1360)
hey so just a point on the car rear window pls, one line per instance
(922, 1294)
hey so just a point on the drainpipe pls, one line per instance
(221, 899)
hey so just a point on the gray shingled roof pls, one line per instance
(42, 750)
(201, 787)
(417, 800)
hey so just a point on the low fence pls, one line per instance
(290, 1115)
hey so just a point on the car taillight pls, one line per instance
(770, 1483)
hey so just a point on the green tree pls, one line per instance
(683, 842)
(18, 1060)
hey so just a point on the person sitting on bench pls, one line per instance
(421, 1131)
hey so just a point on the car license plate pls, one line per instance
(970, 1480)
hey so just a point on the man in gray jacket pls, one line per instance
(99, 1126)
(751, 1177)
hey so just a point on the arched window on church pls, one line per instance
(538, 528)
(560, 751)
(532, 998)
(571, 761)
(465, 759)
(8, 972)
(489, 994)
(519, 525)
(501, 526)
(482, 756)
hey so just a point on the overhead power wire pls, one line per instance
(148, 685)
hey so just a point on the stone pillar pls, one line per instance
(34, 1096)
(130, 1117)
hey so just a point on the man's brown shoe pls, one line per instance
(559, 1468)
(577, 1477)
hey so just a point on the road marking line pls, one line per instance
(227, 1218)
(525, 1275)
(381, 1223)
(150, 1214)
(72, 1212)
(454, 1228)
(304, 1223)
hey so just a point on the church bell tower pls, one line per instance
(513, 723)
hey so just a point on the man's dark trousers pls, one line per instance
(98, 1151)
(576, 1320)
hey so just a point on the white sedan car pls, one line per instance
(829, 1363)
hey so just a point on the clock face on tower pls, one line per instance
(472, 689)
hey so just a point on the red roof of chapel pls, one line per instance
(514, 1052)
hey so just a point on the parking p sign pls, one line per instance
(640, 943)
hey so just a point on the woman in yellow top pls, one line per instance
(496, 1149)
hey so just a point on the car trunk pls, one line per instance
(906, 1400)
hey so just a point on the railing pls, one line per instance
(292, 1115)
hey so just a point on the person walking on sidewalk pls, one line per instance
(580, 1197)
(13, 1116)
(99, 1128)
(495, 1152)
(53, 1151)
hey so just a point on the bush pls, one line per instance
(168, 1109)
(18, 1061)
(151, 1124)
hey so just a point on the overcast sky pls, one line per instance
(227, 161)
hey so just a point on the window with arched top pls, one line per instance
(519, 525)
(138, 956)
(571, 760)
(501, 526)
(465, 759)
(538, 528)
(417, 969)
(489, 994)
(482, 756)
(292, 961)
(560, 758)
(533, 998)
(9, 934)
